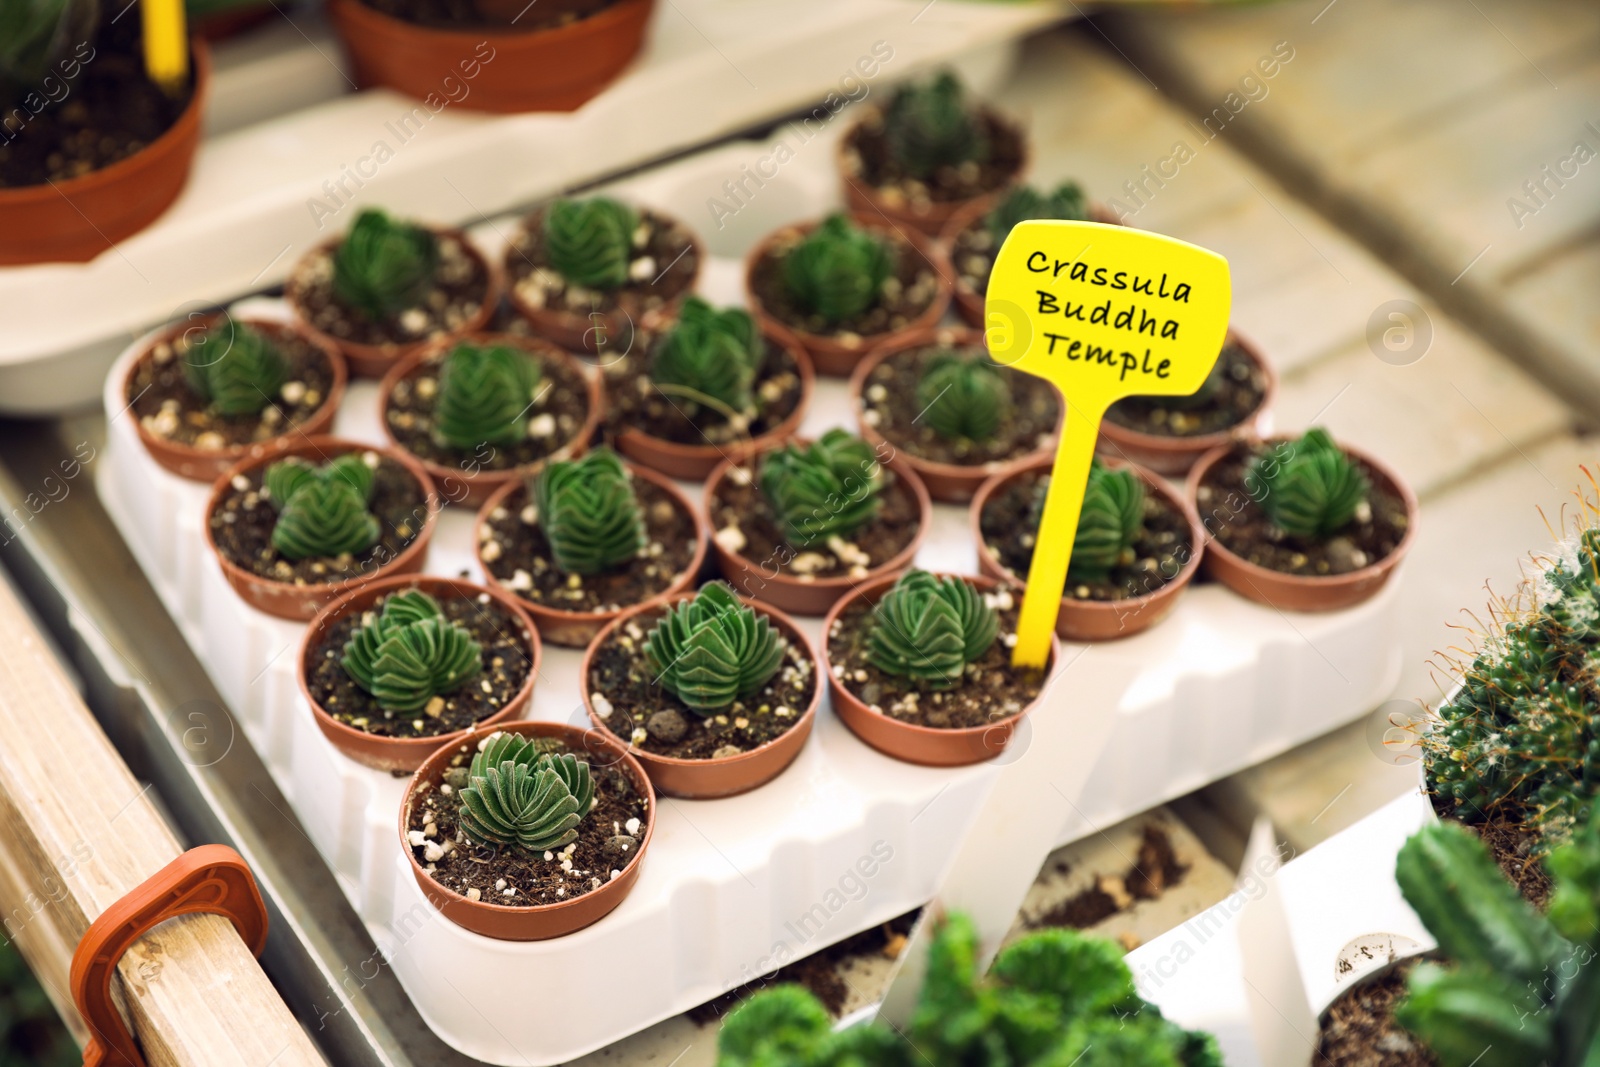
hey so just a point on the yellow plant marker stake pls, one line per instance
(166, 44)
(1103, 312)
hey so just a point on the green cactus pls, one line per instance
(1025, 203)
(1110, 522)
(322, 511)
(36, 39)
(383, 265)
(1309, 488)
(713, 650)
(963, 396)
(485, 392)
(590, 513)
(927, 629)
(710, 354)
(409, 653)
(589, 241)
(837, 271)
(519, 795)
(235, 368)
(929, 125)
(827, 489)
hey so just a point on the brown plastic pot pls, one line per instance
(909, 741)
(407, 753)
(374, 361)
(575, 629)
(1297, 592)
(200, 465)
(829, 355)
(467, 484)
(75, 220)
(488, 68)
(750, 578)
(1096, 620)
(538, 922)
(706, 779)
(302, 602)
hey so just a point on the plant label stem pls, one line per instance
(166, 44)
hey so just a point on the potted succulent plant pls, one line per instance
(586, 539)
(956, 416)
(930, 153)
(712, 694)
(707, 383)
(527, 830)
(487, 410)
(389, 287)
(300, 525)
(1138, 545)
(844, 285)
(94, 149)
(399, 666)
(1301, 524)
(587, 273)
(800, 525)
(206, 394)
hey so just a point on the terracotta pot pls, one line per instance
(77, 219)
(543, 70)
(705, 779)
(302, 602)
(467, 484)
(374, 361)
(1096, 620)
(538, 922)
(952, 483)
(909, 741)
(830, 356)
(1294, 592)
(200, 465)
(575, 629)
(407, 753)
(751, 578)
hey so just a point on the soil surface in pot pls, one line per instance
(663, 266)
(990, 689)
(636, 404)
(1360, 1030)
(460, 286)
(243, 520)
(517, 553)
(464, 14)
(1156, 556)
(906, 294)
(1232, 515)
(608, 838)
(1511, 844)
(653, 719)
(972, 255)
(505, 670)
(1243, 387)
(890, 406)
(554, 415)
(878, 169)
(106, 113)
(1153, 871)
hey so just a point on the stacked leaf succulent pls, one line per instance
(484, 395)
(827, 489)
(712, 650)
(1025, 203)
(518, 794)
(408, 653)
(927, 629)
(589, 513)
(322, 511)
(837, 271)
(929, 125)
(589, 241)
(710, 355)
(36, 36)
(963, 397)
(1309, 488)
(384, 265)
(235, 368)
(1111, 520)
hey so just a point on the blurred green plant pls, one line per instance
(322, 511)
(236, 368)
(383, 265)
(710, 356)
(588, 241)
(829, 488)
(31, 1033)
(1309, 488)
(1024, 203)
(1109, 523)
(485, 392)
(590, 513)
(929, 125)
(36, 39)
(963, 396)
(837, 271)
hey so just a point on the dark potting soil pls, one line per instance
(869, 144)
(464, 14)
(243, 520)
(649, 717)
(664, 257)
(1243, 388)
(1511, 844)
(506, 663)
(513, 876)
(990, 690)
(907, 293)
(97, 107)
(890, 406)
(1157, 555)
(635, 404)
(1231, 514)
(1360, 1029)
(1154, 870)
(517, 553)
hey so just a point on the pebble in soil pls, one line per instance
(1242, 386)
(634, 403)
(1359, 1029)
(867, 158)
(663, 266)
(908, 292)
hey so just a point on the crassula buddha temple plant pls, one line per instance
(974, 236)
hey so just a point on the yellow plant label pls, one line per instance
(166, 44)
(1104, 312)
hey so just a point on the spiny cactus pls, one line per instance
(485, 392)
(1309, 488)
(929, 125)
(713, 650)
(710, 353)
(322, 511)
(1111, 520)
(963, 396)
(827, 489)
(409, 653)
(518, 795)
(235, 368)
(837, 271)
(1025, 203)
(928, 629)
(383, 265)
(589, 512)
(588, 241)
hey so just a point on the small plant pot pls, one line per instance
(75, 220)
(407, 753)
(909, 741)
(1096, 620)
(1351, 1024)
(374, 359)
(704, 779)
(206, 465)
(576, 628)
(493, 68)
(767, 581)
(1295, 592)
(474, 477)
(286, 599)
(537, 922)
(836, 354)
